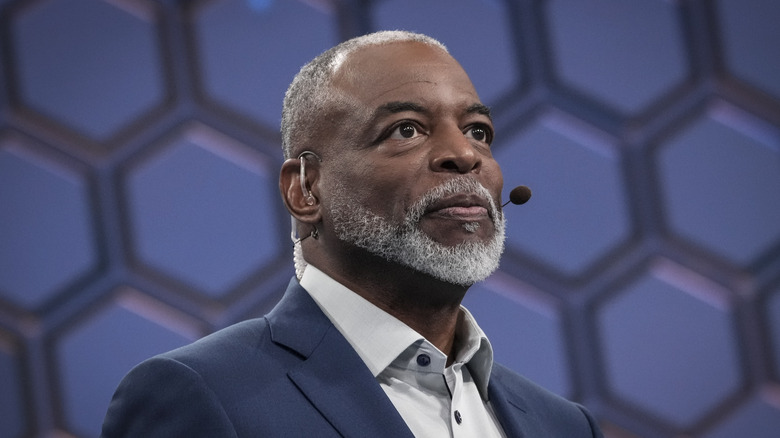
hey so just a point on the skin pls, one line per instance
(412, 120)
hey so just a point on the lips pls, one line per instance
(460, 207)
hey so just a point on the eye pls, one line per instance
(480, 133)
(404, 131)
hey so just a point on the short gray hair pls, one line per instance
(310, 93)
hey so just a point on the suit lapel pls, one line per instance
(331, 375)
(345, 392)
(510, 408)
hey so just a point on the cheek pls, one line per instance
(388, 195)
(371, 187)
(493, 179)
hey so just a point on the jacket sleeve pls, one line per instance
(162, 397)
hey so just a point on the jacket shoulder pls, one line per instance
(538, 409)
(155, 390)
(236, 339)
(233, 382)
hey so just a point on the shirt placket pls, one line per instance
(454, 379)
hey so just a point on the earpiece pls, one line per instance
(307, 196)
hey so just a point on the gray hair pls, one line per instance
(310, 93)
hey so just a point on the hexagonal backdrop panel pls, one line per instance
(490, 62)
(93, 355)
(183, 204)
(759, 417)
(668, 345)
(243, 63)
(577, 213)
(749, 32)
(46, 228)
(626, 53)
(201, 210)
(91, 65)
(720, 179)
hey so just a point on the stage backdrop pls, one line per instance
(139, 209)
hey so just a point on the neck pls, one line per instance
(427, 305)
(431, 313)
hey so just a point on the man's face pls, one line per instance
(410, 175)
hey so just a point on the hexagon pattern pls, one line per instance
(199, 211)
(45, 202)
(110, 332)
(725, 204)
(91, 65)
(577, 213)
(687, 362)
(758, 418)
(626, 53)
(627, 277)
(238, 44)
(747, 26)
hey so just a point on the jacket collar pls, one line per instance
(341, 387)
(510, 406)
(331, 374)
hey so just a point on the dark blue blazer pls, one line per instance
(292, 374)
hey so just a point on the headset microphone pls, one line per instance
(519, 195)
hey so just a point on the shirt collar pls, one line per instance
(473, 348)
(379, 338)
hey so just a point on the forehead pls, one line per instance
(406, 70)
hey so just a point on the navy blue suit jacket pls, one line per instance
(292, 374)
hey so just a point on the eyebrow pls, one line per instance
(399, 107)
(478, 108)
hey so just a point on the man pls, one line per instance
(391, 183)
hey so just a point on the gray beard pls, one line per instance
(462, 264)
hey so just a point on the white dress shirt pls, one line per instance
(433, 399)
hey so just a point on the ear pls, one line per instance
(304, 208)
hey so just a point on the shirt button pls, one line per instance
(423, 360)
(458, 418)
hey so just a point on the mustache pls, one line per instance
(458, 185)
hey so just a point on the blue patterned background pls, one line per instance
(139, 209)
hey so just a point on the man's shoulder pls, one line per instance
(539, 405)
(518, 386)
(237, 342)
(227, 361)
(235, 335)
(512, 379)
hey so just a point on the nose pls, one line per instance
(453, 152)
